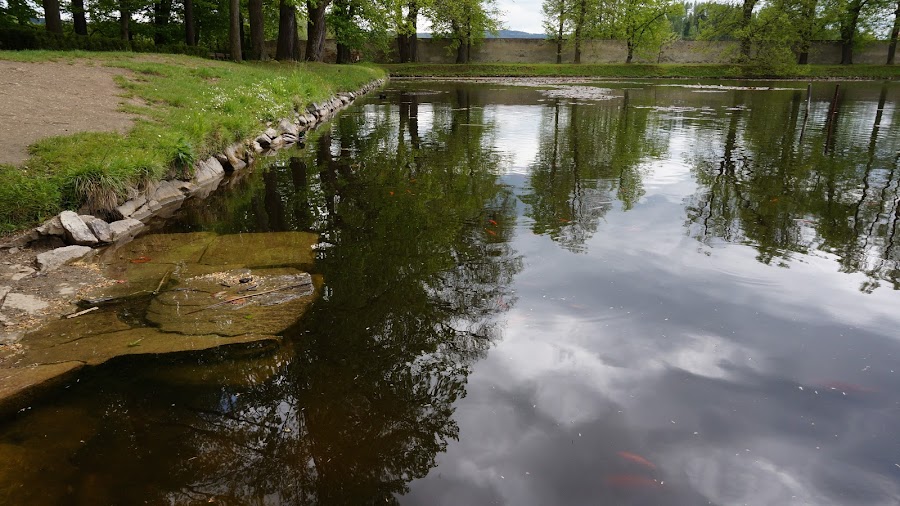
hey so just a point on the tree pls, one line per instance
(52, 20)
(315, 29)
(586, 13)
(162, 11)
(464, 23)
(190, 32)
(287, 31)
(406, 28)
(557, 22)
(895, 31)
(234, 29)
(356, 23)
(849, 16)
(644, 24)
(125, 19)
(79, 20)
(257, 30)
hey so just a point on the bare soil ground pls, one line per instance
(46, 99)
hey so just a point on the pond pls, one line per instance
(643, 292)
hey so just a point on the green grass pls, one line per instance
(635, 70)
(187, 108)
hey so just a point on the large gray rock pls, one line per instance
(234, 155)
(54, 259)
(168, 192)
(52, 227)
(285, 126)
(208, 171)
(99, 227)
(77, 232)
(124, 228)
(129, 207)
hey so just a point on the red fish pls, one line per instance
(631, 481)
(140, 260)
(637, 459)
(492, 222)
(491, 231)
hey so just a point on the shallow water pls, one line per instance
(652, 294)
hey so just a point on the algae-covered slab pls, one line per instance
(61, 331)
(269, 301)
(17, 385)
(271, 249)
(97, 349)
(161, 248)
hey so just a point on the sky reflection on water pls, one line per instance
(676, 295)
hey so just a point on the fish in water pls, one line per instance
(637, 459)
(140, 260)
(492, 222)
(631, 481)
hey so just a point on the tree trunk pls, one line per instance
(190, 34)
(579, 27)
(343, 53)
(162, 10)
(848, 33)
(809, 14)
(412, 17)
(892, 49)
(124, 20)
(559, 38)
(403, 47)
(461, 51)
(287, 31)
(315, 32)
(52, 21)
(257, 31)
(234, 29)
(78, 17)
(630, 46)
(746, 17)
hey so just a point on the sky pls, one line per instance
(523, 15)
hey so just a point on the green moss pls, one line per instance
(187, 108)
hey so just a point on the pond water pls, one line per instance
(647, 293)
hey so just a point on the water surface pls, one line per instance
(659, 294)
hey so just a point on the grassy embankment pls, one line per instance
(635, 70)
(187, 108)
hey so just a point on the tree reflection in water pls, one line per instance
(821, 180)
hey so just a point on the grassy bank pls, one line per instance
(187, 109)
(705, 71)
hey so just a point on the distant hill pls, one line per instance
(503, 34)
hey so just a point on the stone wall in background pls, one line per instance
(611, 51)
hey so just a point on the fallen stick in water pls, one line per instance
(247, 297)
(86, 311)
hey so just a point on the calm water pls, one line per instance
(669, 295)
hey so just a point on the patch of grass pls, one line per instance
(697, 71)
(187, 109)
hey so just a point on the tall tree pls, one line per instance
(162, 11)
(557, 22)
(52, 21)
(287, 31)
(125, 19)
(743, 33)
(406, 27)
(190, 30)
(895, 31)
(315, 29)
(464, 23)
(234, 29)
(78, 18)
(643, 23)
(257, 31)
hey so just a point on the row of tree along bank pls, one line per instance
(768, 33)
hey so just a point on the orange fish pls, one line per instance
(491, 231)
(492, 222)
(140, 260)
(631, 481)
(637, 459)
(392, 193)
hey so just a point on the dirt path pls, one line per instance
(40, 100)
